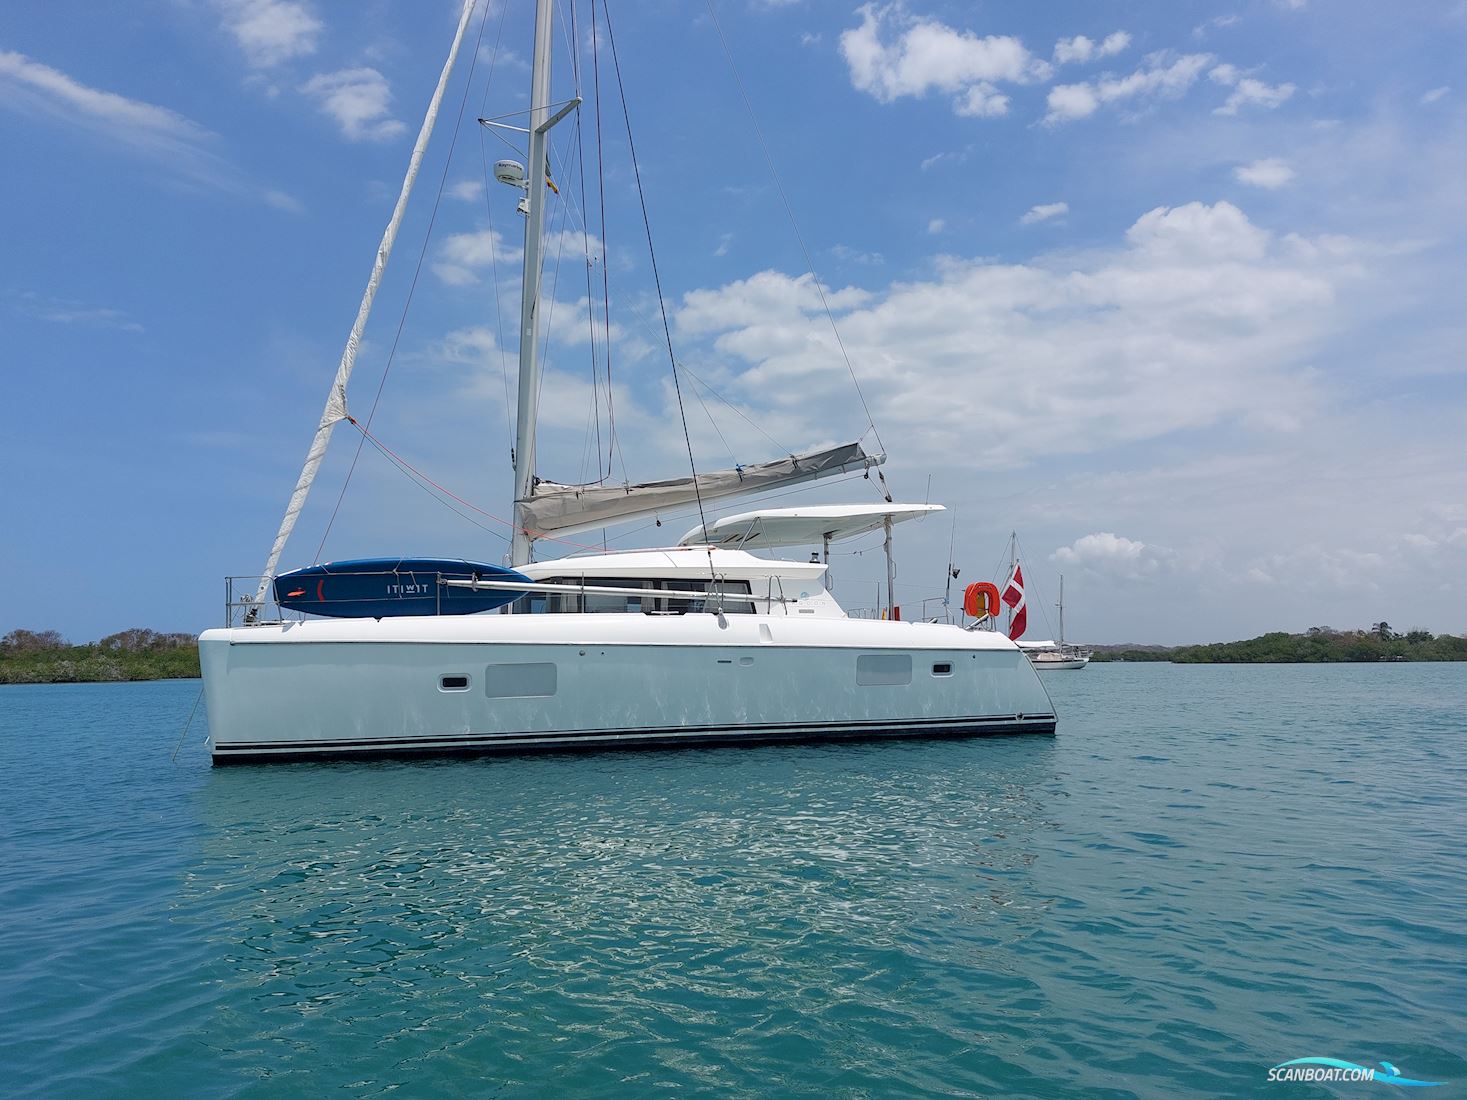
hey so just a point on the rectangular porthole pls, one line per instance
(942, 668)
(453, 683)
(883, 669)
(522, 681)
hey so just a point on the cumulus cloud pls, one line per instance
(1081, 49)
(359, 100)
(462, 256)
(466, 190)
(1109, 555)
(1270, 173)
(270, 32)
(1198, 317)
(891, 55)
(1248, 91)
(1161, 77)
(981, 101)
(1044, 212)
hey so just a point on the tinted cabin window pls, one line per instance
(453, 683)
(598, 603)
(520, 681)
(883, 669)
(942, 668)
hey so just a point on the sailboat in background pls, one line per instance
(698, 643)
(1047, 656)
(1057, 656)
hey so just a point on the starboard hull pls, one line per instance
(506, 683)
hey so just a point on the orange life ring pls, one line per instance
(980, 600)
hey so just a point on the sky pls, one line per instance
(1172, 291)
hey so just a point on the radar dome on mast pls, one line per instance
(511, 172)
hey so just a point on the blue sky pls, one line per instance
(1172, 290)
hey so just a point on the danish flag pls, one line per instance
(1013, 595)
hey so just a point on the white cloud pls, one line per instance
(981, 101)
(1163, 76)
(1110, 555)
(1081, 49)
(936, 225)
(270, 32)
(724, 240)
(1435, 94)
(943, 158)
(924, 55)
(1217, 23)
(1199, 318)
(461, 256)
(359, 100)
(1270, 173)
(1071, 101)
(180, 145)
(63, 311)
(1044, 212)
(280, 200)
(1248, 91)
(466, 190)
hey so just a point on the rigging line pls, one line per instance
(656, 278)
(493, 251)
(704, 405)
(554, 283)
(197, 699)
(605, 248)
(789, 210)
(590, 294)
(416, 473)
(824, 483)
(413, 478)
(737, 411)
(413, 286)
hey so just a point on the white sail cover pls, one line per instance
(564, 509)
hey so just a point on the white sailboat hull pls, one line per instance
(1056, 664)
(364, 687)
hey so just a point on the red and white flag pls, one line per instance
(1013, 595)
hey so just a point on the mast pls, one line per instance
(1062, 611)
(529, 385)
(335, 410)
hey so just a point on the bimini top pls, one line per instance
(771, 527)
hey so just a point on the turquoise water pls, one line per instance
(1209, 871)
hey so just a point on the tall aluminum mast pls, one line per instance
(529, 386)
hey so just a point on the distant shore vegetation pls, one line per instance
(1317, 645)
(45, 657)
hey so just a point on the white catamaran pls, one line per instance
(700, 643)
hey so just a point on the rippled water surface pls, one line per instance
(1209, 871)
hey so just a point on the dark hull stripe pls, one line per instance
(668, 737)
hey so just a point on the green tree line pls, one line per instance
(1317, 645)
(45, 657)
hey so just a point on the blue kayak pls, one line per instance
(381, 587)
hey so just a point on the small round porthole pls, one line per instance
(942, 668)
(453, 683)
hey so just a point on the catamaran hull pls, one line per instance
(320, 690)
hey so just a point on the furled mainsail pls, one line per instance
(563, 509)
